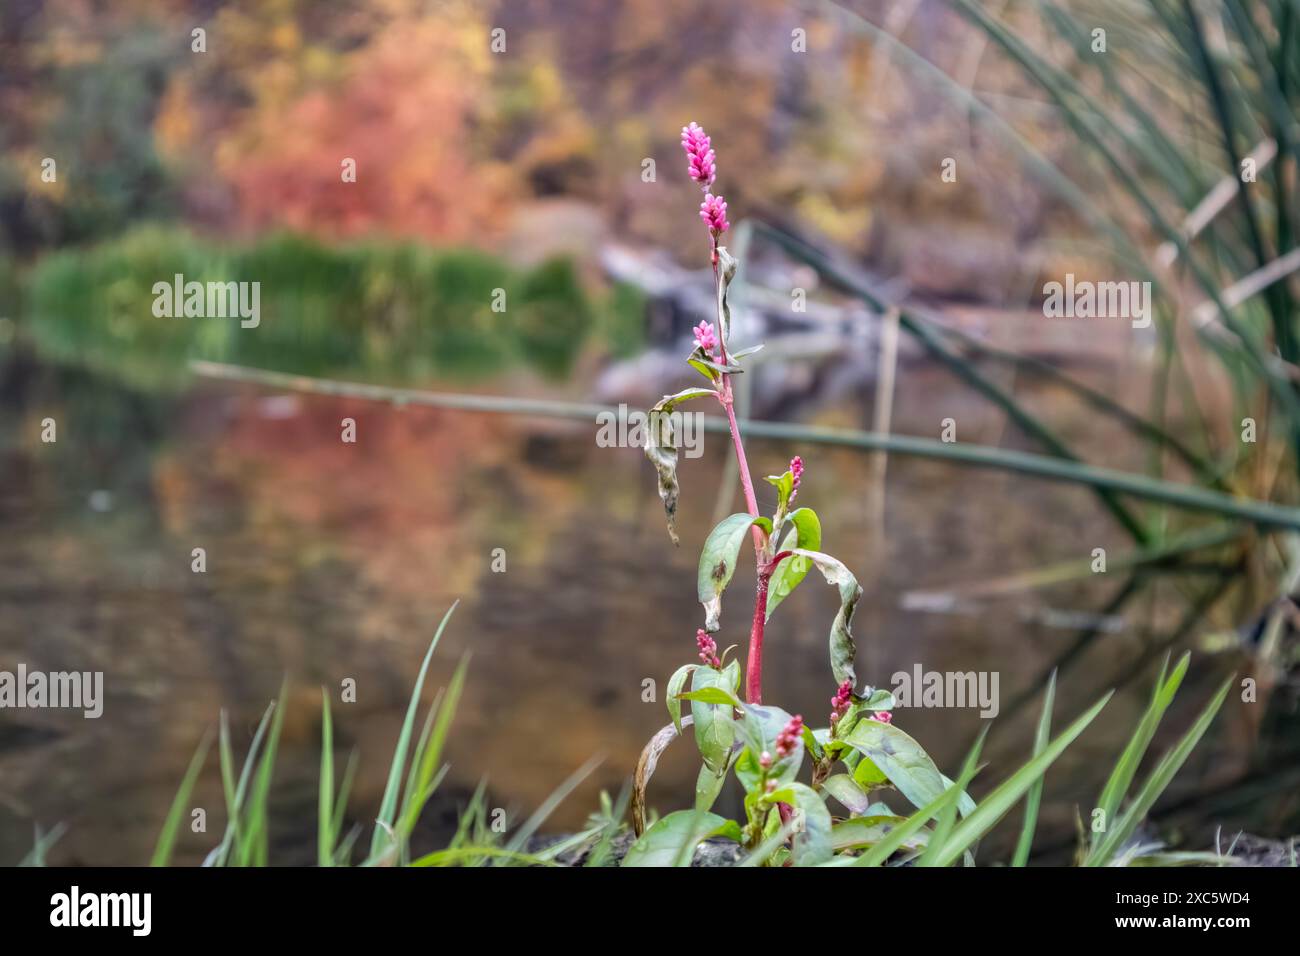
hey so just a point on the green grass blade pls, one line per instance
(429, 755)
(255, 847)
(235, 793)
(1160, 778)
(325, 801)
(388, 806)
(476, 853)
(882, 851)
(162, 852)
(520, 838)
(1035, 796)
(1112, 794)
(948, 815)
(991, 809)
(41, 846)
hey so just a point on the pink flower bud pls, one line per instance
(796, 469)
(701, 165)
(884, 716)
(714, 213)
(708, 648)
(705, 337)
(765, 760)
(789, 736)
(842, 699)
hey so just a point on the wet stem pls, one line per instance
(754, 662)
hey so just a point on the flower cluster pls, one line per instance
(702, 167)
(706, 338)
(708, 648)
(842, 699)
(699, 153)
(796, 469)
(714, 213)
(788, 738)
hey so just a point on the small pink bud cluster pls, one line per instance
(796, 469)
(702, 167)
(699, 153)
(765, 760)
(708, 648)
(714, 213)
(788, 738)
(841, 701)
(706, 338)
(884, 716)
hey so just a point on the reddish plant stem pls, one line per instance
(754, 663)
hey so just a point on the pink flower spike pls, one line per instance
(796, 469)
(708, 648)
(705, 337)
(714, 213)
(702, 166)
(841, 701)
(789, 736)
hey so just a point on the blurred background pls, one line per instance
(552, 170)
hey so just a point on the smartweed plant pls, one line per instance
(859, 750)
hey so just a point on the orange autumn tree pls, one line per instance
(402, 106)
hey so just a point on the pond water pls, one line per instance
(327, 561)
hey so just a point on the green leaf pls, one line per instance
(948, 815)
(811, 742)
(712, 695)
(325, 797)
(708, 784)
(713, 722)
(167, 838)
(904, 761)
(784, 485)
(661, 449)
(675, 685)
(758, 729)
(710, 369)
(1155, 784)
(660, 844)
(726, 273)
(743, 352)
(870, 830)
(846, 790)
(718, 564)
(806, 534)
(1112, 795)
(388, 805)
(991, 809)
(879, 699)
(748, 771)
(842, 647)
(868, 776)
(812, 826)
(903, 832)
(1035, 797)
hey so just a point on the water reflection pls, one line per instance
(328, 561)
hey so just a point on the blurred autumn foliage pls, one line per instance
(448, 138)
(535, 150)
